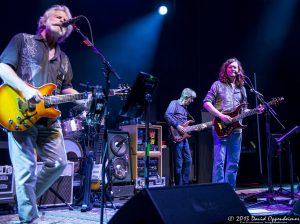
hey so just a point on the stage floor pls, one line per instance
(257, 201)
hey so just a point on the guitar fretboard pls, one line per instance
(198, 127)
(65, 98)
(255, 110)
(57, 99)
(245, 114)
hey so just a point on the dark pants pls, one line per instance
(182, 162)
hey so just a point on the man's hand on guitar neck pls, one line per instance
(260, 109)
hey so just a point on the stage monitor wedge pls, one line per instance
(192, 204)
(135, 103)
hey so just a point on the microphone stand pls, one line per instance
(269, 111)
(107, 71)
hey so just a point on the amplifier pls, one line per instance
(6, 183)
(153, 182)
(63, 186)
(119, 191)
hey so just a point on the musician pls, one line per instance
(225, 95)
(37, 60)
(175, 115)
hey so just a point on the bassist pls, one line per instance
(225, 95)
(175, 115)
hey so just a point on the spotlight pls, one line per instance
(163, 10)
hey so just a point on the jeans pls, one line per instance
(49, 144)
(226, 153)
(183, 162)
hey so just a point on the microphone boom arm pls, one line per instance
(87, 42)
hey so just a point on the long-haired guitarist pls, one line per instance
(226, 95)
(175, 115)
(37, 60)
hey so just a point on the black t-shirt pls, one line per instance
(28, 55)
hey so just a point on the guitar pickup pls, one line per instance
(32, 107)
(20, 104)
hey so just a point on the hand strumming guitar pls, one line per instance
(225, 118)
(180, 129)
(32, 95)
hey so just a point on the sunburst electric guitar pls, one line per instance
(225, 129)
(18, 114)
(179, 137)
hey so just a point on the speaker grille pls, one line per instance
(63, 186)
(119, 157)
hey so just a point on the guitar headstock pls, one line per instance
(123, 90)
(276, 100)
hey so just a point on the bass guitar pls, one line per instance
(18, 114)
(179, 137)
(223, 129)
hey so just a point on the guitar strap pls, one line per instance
(60, 77)
(244, 98)
(59, 81)
(190, 115)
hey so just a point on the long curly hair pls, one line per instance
(223, 76)
(43, 19)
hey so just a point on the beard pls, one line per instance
(55, 30)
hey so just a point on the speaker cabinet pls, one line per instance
(167, 165)
(63, 186)
(193, 204)
(5, 158)
(7, 189)
(119, 157)
(205, 155)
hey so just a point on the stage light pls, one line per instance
(163, 10)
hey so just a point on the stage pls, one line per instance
(257, 206)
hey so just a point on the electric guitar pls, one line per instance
(223, 129)
(179, 137)
(18, 114)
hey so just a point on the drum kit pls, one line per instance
(74, 127)
(76, 130)
(84, 137)
(84, 129)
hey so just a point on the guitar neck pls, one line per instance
(57, 99)
(198, 127)
(245, 114)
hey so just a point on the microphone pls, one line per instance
(256, 92)
(71, 21)
(121, 142)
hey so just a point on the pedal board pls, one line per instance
(153, 182)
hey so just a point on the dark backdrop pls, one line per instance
(196, 38)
